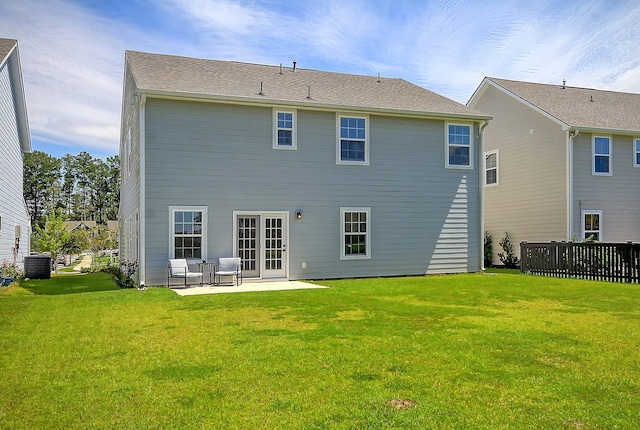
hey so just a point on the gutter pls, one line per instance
(267, 102)
(572, 133)
(482, 179)
(142, 254)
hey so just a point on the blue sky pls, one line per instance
(72, 51)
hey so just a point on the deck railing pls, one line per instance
(613, 262)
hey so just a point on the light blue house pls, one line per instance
(302, 173)
(15, 141)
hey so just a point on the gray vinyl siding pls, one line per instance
(130, 171)
(424, 218)
(617, 196)
(12, 207)
(530, 200)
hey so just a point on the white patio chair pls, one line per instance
(228, 266)
(179, 268)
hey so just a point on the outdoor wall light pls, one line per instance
(298, 215)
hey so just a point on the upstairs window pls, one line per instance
(601, 164)
(353, 145)
(284, 130)
(491, 168)
(458, 143)
(636, 152)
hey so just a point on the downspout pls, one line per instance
(571, 134)
(481, 180)
(142, 212)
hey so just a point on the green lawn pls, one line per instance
(447, 352)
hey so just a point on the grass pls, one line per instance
(448, 352)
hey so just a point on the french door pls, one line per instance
(261, 242)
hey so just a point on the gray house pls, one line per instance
(302, 173)
(561, 162)
(15, 141)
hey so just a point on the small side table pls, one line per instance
(210, 267)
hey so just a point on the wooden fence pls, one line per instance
(612, 262)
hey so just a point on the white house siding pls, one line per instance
(617, 196)
(530, 200)
(12, 207)
(221, 157)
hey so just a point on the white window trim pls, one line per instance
(294, 134)
(366, 139)
(497, 153)
(367, 255)
(446, 145)
(636, 151)
(582, 226)
(593, 156)
(203, 209)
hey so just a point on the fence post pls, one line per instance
(523, 252)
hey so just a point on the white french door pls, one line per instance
(261, 242)
(275, 247)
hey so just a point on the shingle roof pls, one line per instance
(156, 73)
(580, 107)
(6, 45)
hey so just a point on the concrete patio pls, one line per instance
(245, 287)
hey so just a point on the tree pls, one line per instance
(41, 177)
(53, 236)
(68, 184)
(100, 239)
(83, 169)
(507, 257)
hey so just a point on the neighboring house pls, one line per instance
(15, 141)
(304, 174)
(561, 163)
(88, 225)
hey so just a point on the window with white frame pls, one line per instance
(636, 152)
(353, 145)
(355, 239)
(491, 168)
(188, 232)
(459, 138)
(284, 129)
(592, 225)
(601, 160)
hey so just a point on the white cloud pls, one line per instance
(72, 70)
(72, 56)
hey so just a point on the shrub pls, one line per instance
(122, 275)
(508, 258)
(488, 249)
(9, 270)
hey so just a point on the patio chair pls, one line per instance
(228, 266)
(179, 268)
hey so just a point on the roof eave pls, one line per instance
(266, 101)
(604, 130)
(15, 69)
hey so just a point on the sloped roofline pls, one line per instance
(262, 100)
(15, 73)
(488, 82)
